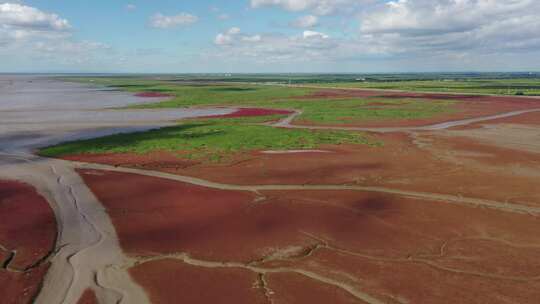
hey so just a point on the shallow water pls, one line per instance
(37, 111)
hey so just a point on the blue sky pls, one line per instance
(269, 36)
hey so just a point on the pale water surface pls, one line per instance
(39, 110)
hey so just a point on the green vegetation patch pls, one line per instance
(192, 95)
(317, 111)
(216, 139)
(208, 141)
(516, 86)
(366, 110)
(199, 94)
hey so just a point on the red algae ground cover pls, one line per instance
(425, 162)
(27, 236)
(27, 224)
(439, 216)
(88, 297)
(21, 288)
(292, 245)
(170, 282)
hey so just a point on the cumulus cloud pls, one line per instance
(32, 33)
(165, 22)
(313, 34)
(318, 7)
(278, 48)
(130, 7)
(454, 25)
(234, 35)
(19, 23)
(254, 38)
(305, 22)
(419, 28)
(16, 16)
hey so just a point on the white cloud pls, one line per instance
(318, 7)
(165, 22)
(21, 17)
(420, 28)
(27, 32)
(254, 38)
(305, 21)
(222, 39)
(131, 7)
(227, 37)
(447, 26)
(313, 34)
(277, 48)
(291, 5)
(233, 31)
(20, 23)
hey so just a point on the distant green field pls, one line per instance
(529, 87)
(317, 111)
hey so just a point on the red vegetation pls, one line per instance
(394, 248)
(21, 288)
(27, 233)
(291, 288)
(88, 297)
(376, 243)
(251, 112)
(333, 93)
(167, 281)
(27, 223)
(425, 164)
(152, 94)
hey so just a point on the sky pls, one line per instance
(269, 36)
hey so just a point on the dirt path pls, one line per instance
(452, 199)
(398, 91)
(88, 254)
(288, 123)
